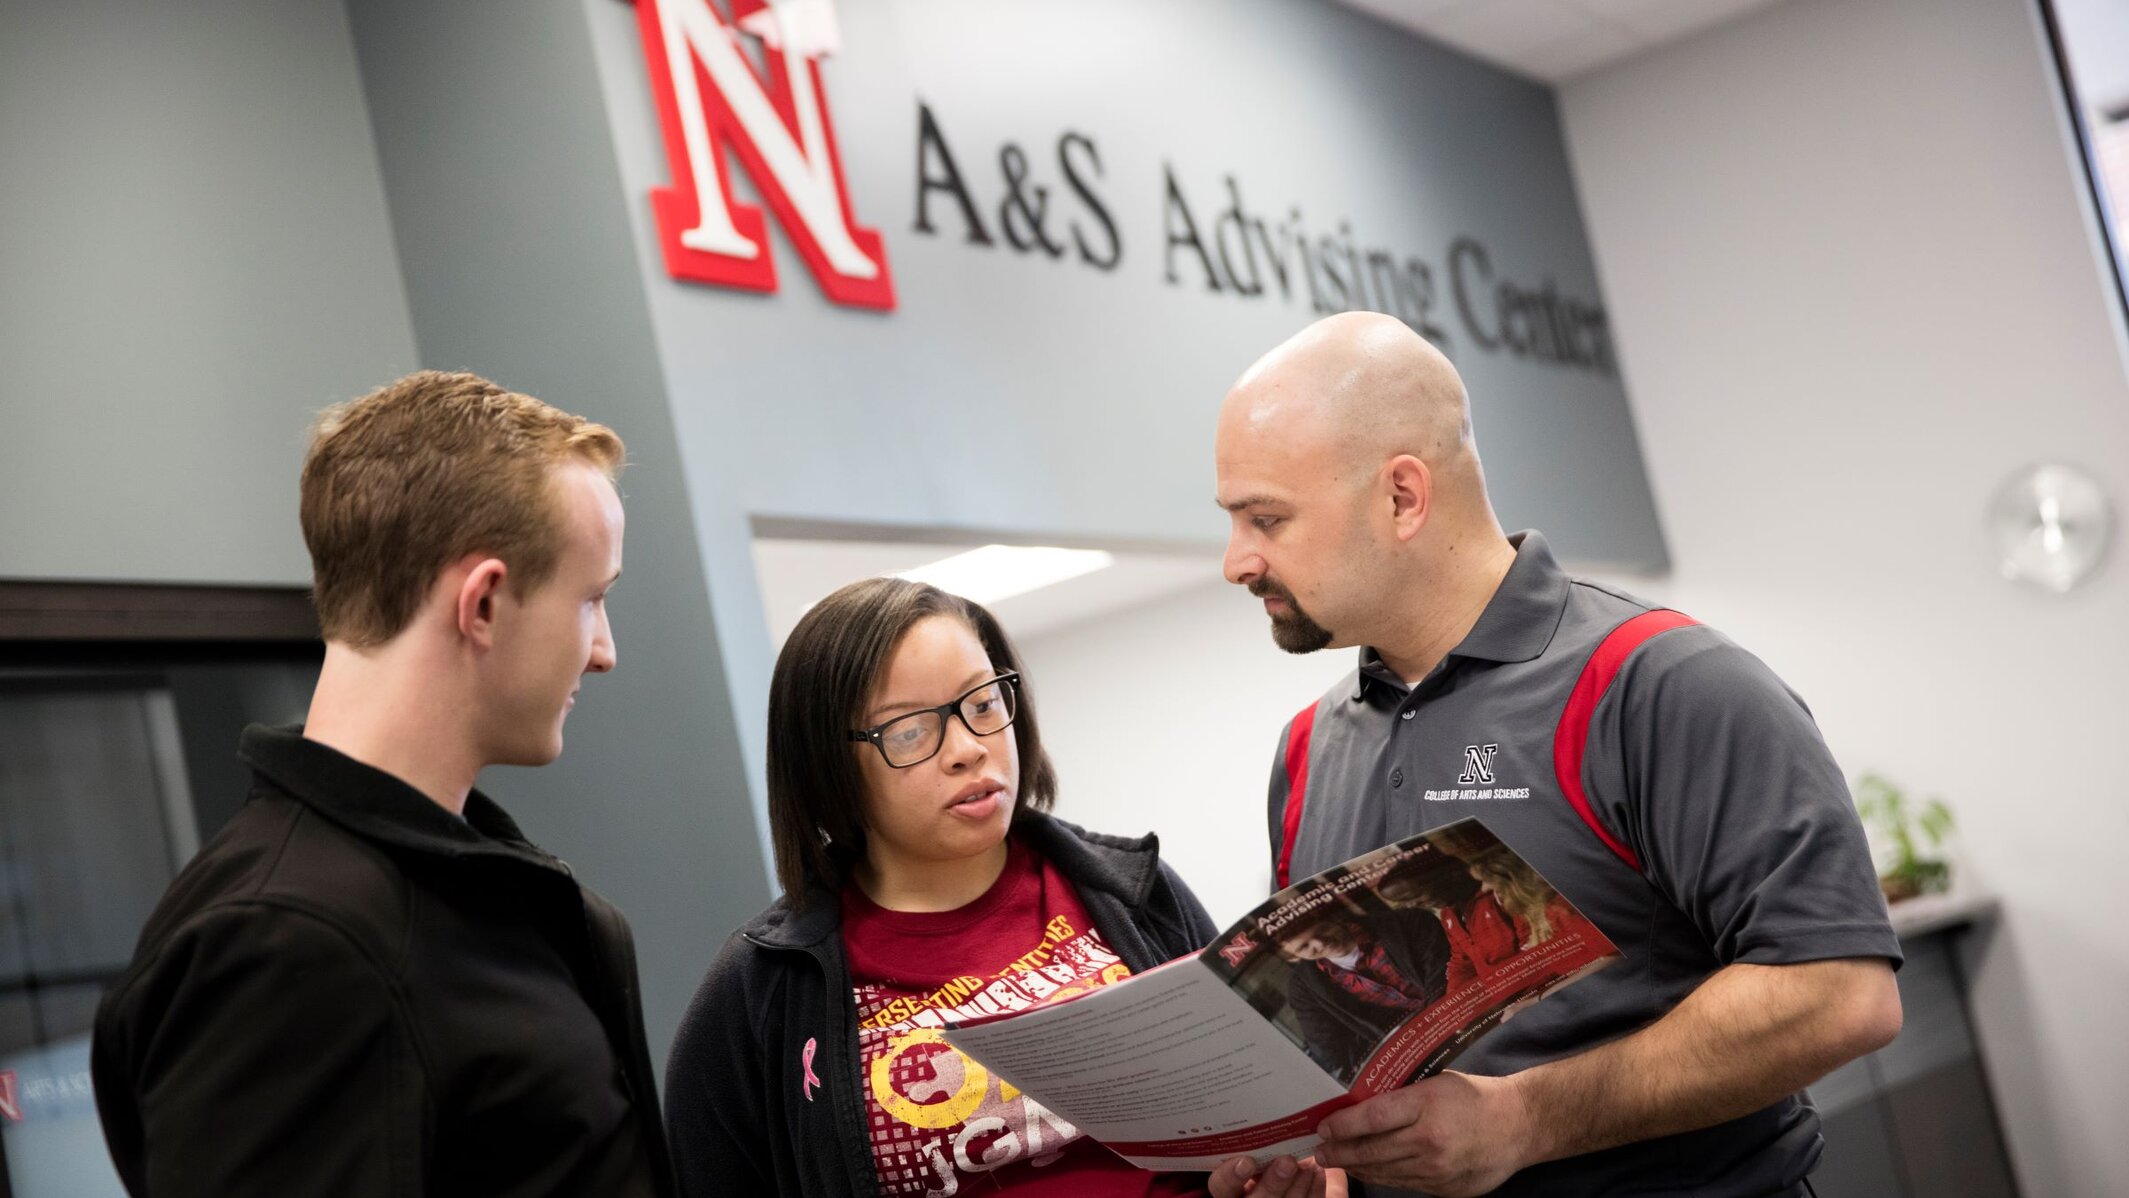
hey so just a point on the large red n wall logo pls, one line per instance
(712, 102)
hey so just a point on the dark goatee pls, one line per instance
(1291, 630)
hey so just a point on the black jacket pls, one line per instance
(741, 1118)
(352, 991)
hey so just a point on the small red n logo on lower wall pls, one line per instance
(10, 1107)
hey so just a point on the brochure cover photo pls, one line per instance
(1367, 976)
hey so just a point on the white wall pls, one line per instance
(1844, 247)
(1164, 718)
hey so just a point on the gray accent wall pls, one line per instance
(508, 211)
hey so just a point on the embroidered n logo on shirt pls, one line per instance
(1478, 765)
(1477, 782)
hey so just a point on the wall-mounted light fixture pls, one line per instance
(2053, 525)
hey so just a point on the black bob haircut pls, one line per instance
(825, 675)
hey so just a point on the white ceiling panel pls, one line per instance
(1509, 29)
(1557, 40)
(1402, 11)
(1578, 53)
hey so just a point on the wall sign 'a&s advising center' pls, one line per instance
(715, 108)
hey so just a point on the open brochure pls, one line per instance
(1365, 977)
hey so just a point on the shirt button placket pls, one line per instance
(1397, 775)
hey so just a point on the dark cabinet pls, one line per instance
(1914, 1120)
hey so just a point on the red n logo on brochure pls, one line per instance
(10, 1106)
(711, 100)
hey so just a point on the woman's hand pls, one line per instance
(1282, 1177)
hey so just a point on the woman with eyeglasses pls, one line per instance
(923, 881)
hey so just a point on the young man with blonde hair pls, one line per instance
(369, 982)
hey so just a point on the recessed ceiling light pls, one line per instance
(997, 572)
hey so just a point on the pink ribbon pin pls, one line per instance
(806, 1062)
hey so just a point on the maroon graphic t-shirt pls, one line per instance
(940, 1123)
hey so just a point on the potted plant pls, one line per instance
(1910, 836)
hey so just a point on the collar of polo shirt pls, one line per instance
(1519, 621)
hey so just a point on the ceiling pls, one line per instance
(1557, 40)
(795, 574)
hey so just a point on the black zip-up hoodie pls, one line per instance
(741, 1117)
(352, 991)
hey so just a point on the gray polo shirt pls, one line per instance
(1700, 762)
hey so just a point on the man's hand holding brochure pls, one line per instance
(1351, 983)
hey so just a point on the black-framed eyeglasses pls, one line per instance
(916, 738)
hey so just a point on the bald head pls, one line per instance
(1360, 385)
(1357, 509)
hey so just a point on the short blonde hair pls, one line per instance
(418, 474)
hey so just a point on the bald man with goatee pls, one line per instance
(1669, 785)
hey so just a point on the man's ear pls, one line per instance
(479, 594)
(1410, 486)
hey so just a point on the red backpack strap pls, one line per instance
(1570, 742)
(1297, 736)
